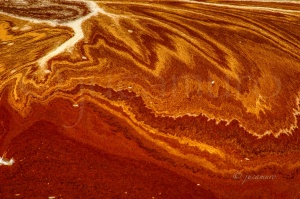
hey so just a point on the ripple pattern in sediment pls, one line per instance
(197, 82)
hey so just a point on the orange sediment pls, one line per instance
(181, 99)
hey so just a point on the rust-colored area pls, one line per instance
(149, 99)
(49, 163)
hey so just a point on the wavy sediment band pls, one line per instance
(203, 88)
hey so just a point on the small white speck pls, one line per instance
(12, 71)
(76, 105)
(15, 28)
(17, 194)
(125, 192)
(130, 31)
(25, 28)
(129, 87)
(47, 71)
(198, 184)
(247, 159)
(11, 43)
(213, 82)
(51, 197)
(6, 162)
(84, 57)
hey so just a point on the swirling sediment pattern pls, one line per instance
(202, 93)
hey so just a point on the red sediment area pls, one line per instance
(50, 163)
(99, 155)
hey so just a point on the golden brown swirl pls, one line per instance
(208, 90)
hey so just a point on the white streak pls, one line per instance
(6, 162)
(78, 33)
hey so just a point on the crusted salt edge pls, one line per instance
(287, 131)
